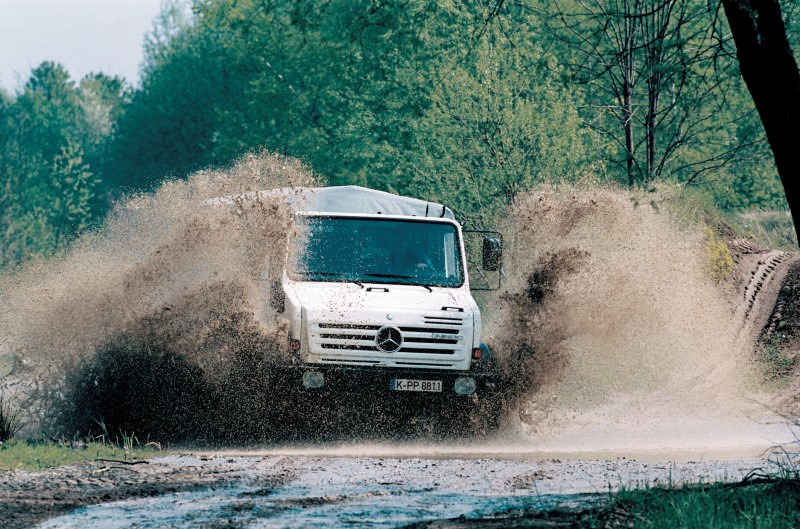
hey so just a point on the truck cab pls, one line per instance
(377, 294)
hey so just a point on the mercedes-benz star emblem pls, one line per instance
(389, 339)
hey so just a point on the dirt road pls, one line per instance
(346, 486)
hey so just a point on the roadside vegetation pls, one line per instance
(42, 454)
(773, 229)
(762, 502)
(10, 419)
(758, 503)
(37, 453)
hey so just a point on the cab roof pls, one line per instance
(345, 199)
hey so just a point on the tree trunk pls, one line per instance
(628, 79)
(628, 113)
(770, 72)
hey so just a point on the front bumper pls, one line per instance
(379, 380)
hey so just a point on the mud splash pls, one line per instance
(160, 324)
(149, 322)
(614, 332)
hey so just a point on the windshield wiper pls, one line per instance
(390, 276)
(398, 276)
(333, 274)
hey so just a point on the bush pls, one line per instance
(10, 420)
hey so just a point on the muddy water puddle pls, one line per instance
(281, 491)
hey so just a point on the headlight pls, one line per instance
(313, 380)
(465, 386)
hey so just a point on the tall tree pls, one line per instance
(769, 68)
(46, 185)
(72, 190)
(499, 119)
(657, 88)
(393, 95)
(166, 128)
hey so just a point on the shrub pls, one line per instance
(719, 257)
(10, 420)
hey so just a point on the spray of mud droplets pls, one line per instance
(151, 323)
(160, 324)
(612, 330)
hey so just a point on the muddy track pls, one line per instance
(303, 490)
(761, 272)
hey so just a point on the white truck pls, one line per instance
(377, 295)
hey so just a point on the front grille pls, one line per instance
(435, 336)
(444, 320)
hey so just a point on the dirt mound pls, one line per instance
(778, 346)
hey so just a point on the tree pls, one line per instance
(499, 121)
(656, 87)
(770, 71)
(102, 100)
(402, 96)
(166, 127)
(72, 189)
(46, 185)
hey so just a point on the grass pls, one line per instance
(773, 365)
(761, 503)
(42, 455)
(768, 503)
(773, 229)
(10, 420)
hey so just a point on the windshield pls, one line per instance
(377, 251)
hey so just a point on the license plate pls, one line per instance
(411, 384)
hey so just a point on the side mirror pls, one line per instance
(492, 254)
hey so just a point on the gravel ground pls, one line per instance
(289, 489)
(29, 497)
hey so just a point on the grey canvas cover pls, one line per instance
(345, 199)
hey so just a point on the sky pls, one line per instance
(85, 36)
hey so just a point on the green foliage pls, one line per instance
(498, 124)
(770, 503)
(663, 92)
(166, 127)
(719, 257)
(47, 186)
(791, 18)
(464, 102)
(10, 420)
(773, 365)
(417, 97)
(73, 186)
(773, 229)
(102, 99)
(751, 180)
(35, 455)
